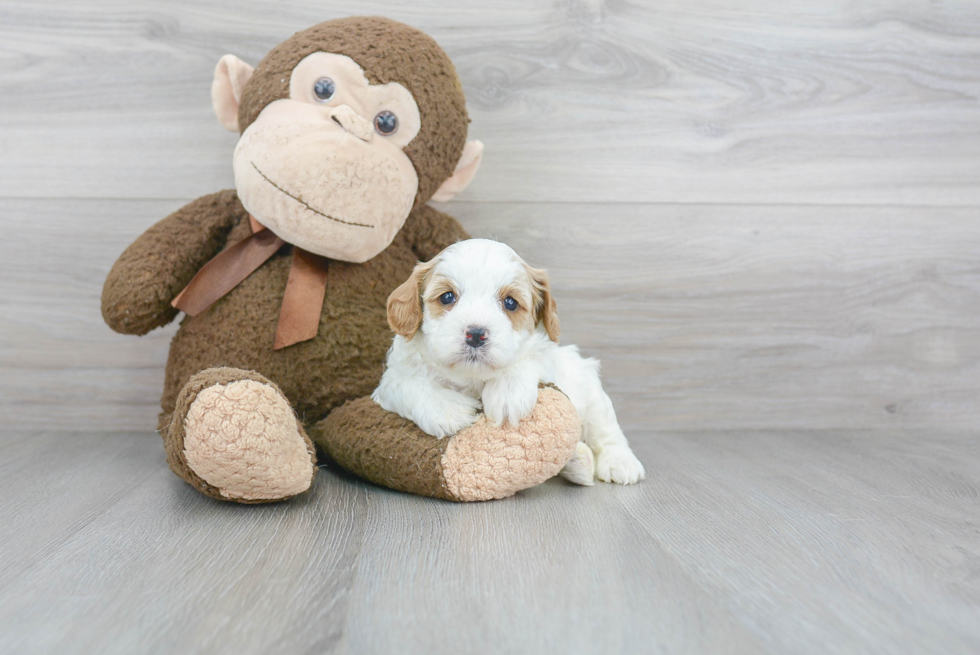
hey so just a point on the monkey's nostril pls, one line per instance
(336, 120)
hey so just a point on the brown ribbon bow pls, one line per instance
(302, 301)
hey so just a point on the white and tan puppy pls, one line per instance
(477, 327)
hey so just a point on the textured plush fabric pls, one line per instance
(146, 277)
(243, 439)
(482, 462)
(388, 51)
(230, 77)
(174, 437)
(345, 359)
(384, 448)
(466, 168)
(294, 169)
(223, 345)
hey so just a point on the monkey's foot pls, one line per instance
(234, 436)
(481, 462)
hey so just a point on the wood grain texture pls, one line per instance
(583, 100)
(751, 542)
(704, 316)
(761, 217)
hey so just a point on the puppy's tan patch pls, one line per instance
(405, 302)
(521, 318)
(545, 308)
(434, 289)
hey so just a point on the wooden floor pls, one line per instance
(764, 219)
(738, 542)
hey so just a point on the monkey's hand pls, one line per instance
(161, 262)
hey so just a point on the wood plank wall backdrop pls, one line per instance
(758, 215)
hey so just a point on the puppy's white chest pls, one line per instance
(470, 387)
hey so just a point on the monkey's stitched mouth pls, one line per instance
(303, 202)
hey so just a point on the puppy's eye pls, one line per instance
(386, 123)
(447, 298)
(510, 304)
(324, 88)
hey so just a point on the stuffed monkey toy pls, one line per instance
(347, 130)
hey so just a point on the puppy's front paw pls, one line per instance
(446, 417)
(508, 400)
(619, 465)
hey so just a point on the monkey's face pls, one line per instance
(325, 168)
(334, 153)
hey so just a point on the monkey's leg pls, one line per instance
(234, 436)
(481, 462)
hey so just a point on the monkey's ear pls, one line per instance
(465, 171)
(405, 302)
(230, 76)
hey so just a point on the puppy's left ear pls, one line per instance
(405, 302)
(545, 309)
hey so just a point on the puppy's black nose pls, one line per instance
(476, 336)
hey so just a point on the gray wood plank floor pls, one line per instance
(764, 219)
(745, 542)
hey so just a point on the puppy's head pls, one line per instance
(475, 304)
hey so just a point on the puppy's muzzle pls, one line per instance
(476, 336)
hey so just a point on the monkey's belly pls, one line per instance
(345, 359)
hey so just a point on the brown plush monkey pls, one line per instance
(347, 130)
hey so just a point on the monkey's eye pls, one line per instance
(447, 298)
(386, 123)
(510, 304)
(324, 88)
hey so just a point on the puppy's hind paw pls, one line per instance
(581, 467)
(619, 465)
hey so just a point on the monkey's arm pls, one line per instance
(431, 231)
(479, 462)
(150, 272)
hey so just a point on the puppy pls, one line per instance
(477, 327)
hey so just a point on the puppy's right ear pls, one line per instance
(545, 308)
(405, 302)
